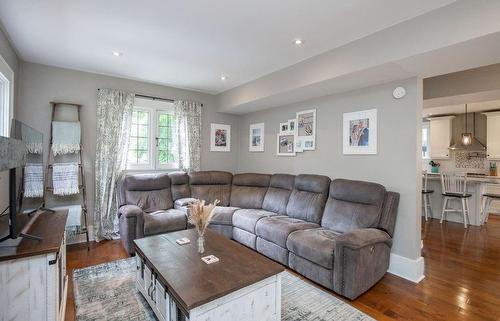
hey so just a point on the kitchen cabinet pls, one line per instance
(440, 137)
(493, 135)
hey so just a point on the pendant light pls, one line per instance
(466, 136)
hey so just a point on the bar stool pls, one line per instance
(488, 198)
(454, 186)
(426, 196)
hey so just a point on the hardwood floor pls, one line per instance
(462, 276)
(78, 257)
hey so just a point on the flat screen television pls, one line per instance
(22, 150)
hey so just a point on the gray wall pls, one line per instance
(465, 82)
(395, 165)
(9, 55)
(8, 52)
(41, 84)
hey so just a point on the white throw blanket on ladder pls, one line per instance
(65, 178)
(33, 180)
(66, 137)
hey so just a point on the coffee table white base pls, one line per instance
(260, 301)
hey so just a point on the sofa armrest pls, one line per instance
(183, 202)
(362, 237)
(130, 211)
(361, 258)
(131, 220)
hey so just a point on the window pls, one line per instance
(426, 152)
(152, 144)
(6, 97)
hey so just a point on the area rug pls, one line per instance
(107, 292)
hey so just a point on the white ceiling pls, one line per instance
(190, 43)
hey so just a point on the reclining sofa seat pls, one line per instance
(145, 207)
(350, 252)
(211, 186)
(273, 203)
(303, 211)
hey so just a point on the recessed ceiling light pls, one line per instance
(223, 77)
(299, 42)
(117, 54)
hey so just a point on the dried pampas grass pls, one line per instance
(201, 214)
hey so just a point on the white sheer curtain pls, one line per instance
(188, 136)
(114, 117)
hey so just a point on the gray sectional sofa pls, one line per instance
(337, 233)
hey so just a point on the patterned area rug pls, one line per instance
(107, 292)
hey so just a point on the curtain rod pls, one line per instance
(153, 97)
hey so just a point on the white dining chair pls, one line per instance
(488, 198)
(426, 196)
(454, 186)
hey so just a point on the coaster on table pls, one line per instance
(210, 259)
(183, 241)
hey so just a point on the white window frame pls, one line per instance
(158, 112)
(155, 109)
(147, 166)
(7, 103)
(427, 125)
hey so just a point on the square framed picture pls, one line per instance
(360, 132)
(220, 138)
(284, 127)
(306, 128)
(286, 144)
(291, 125)
(256, 138)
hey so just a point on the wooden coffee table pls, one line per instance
(178, 285)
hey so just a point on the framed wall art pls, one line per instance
(256, 138)
(220, 138)
(284, 127)
(286, 144)
(291, 125)
(360, 132)
(306, 129)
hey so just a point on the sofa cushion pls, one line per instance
(308, 197)
(211, 185)
(278, 193)
(246, 219)
(272, 250)
(225, 230)
(151, 192)
(277, 228)
(249, 189)
(150, 201)
(316, 245)
(243, 237)
(353, 205)
(179, 185)
(164, 221)
(223, 215)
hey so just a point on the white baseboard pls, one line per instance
(412, 270)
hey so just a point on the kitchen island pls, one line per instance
(477, 185)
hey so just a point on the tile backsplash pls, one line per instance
(461, 162)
